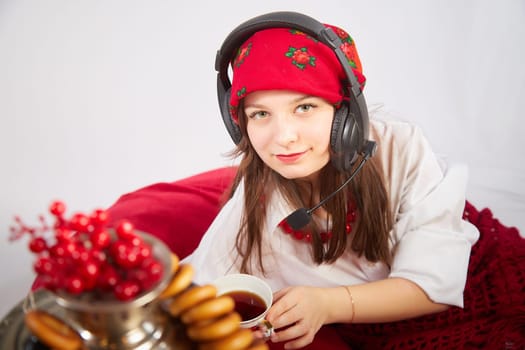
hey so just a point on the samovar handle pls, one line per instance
(52, 331)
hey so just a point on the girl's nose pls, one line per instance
(285, 130)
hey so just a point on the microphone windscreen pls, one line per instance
(299, 218)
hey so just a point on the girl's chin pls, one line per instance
(298, 175)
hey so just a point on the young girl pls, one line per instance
(390, 245)
(370, 263)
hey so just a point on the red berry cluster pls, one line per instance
(82, 256)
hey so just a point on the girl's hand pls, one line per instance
(297, 314)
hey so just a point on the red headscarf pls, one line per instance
(288, 59)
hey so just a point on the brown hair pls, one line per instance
(370, 232)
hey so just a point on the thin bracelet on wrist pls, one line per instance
(347, 288)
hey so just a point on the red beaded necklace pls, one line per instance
(306, 236)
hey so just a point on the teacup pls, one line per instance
(253, 298)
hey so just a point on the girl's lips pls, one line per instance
(289, 158)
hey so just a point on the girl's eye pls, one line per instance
(258, 115)
(305, 107)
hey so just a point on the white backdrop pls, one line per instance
(98, 98)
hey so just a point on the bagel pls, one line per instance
(180, 281)
(209, 309)
(190, 298)
(52, 331)
(174, 262)
(239, 340)
(215, 329)
(259, 345)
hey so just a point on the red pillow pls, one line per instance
(178, 212)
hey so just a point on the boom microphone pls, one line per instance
(302, 216)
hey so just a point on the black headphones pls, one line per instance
(349, 135)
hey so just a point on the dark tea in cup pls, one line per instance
(248, 305)
(252, 296)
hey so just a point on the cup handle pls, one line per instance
(265, 328)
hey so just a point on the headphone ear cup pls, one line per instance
(344, 139)
(231, 125)
(335, 135)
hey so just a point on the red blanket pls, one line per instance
(493, 316)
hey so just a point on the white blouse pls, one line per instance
(430, 241)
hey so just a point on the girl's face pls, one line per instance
(290, 131)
